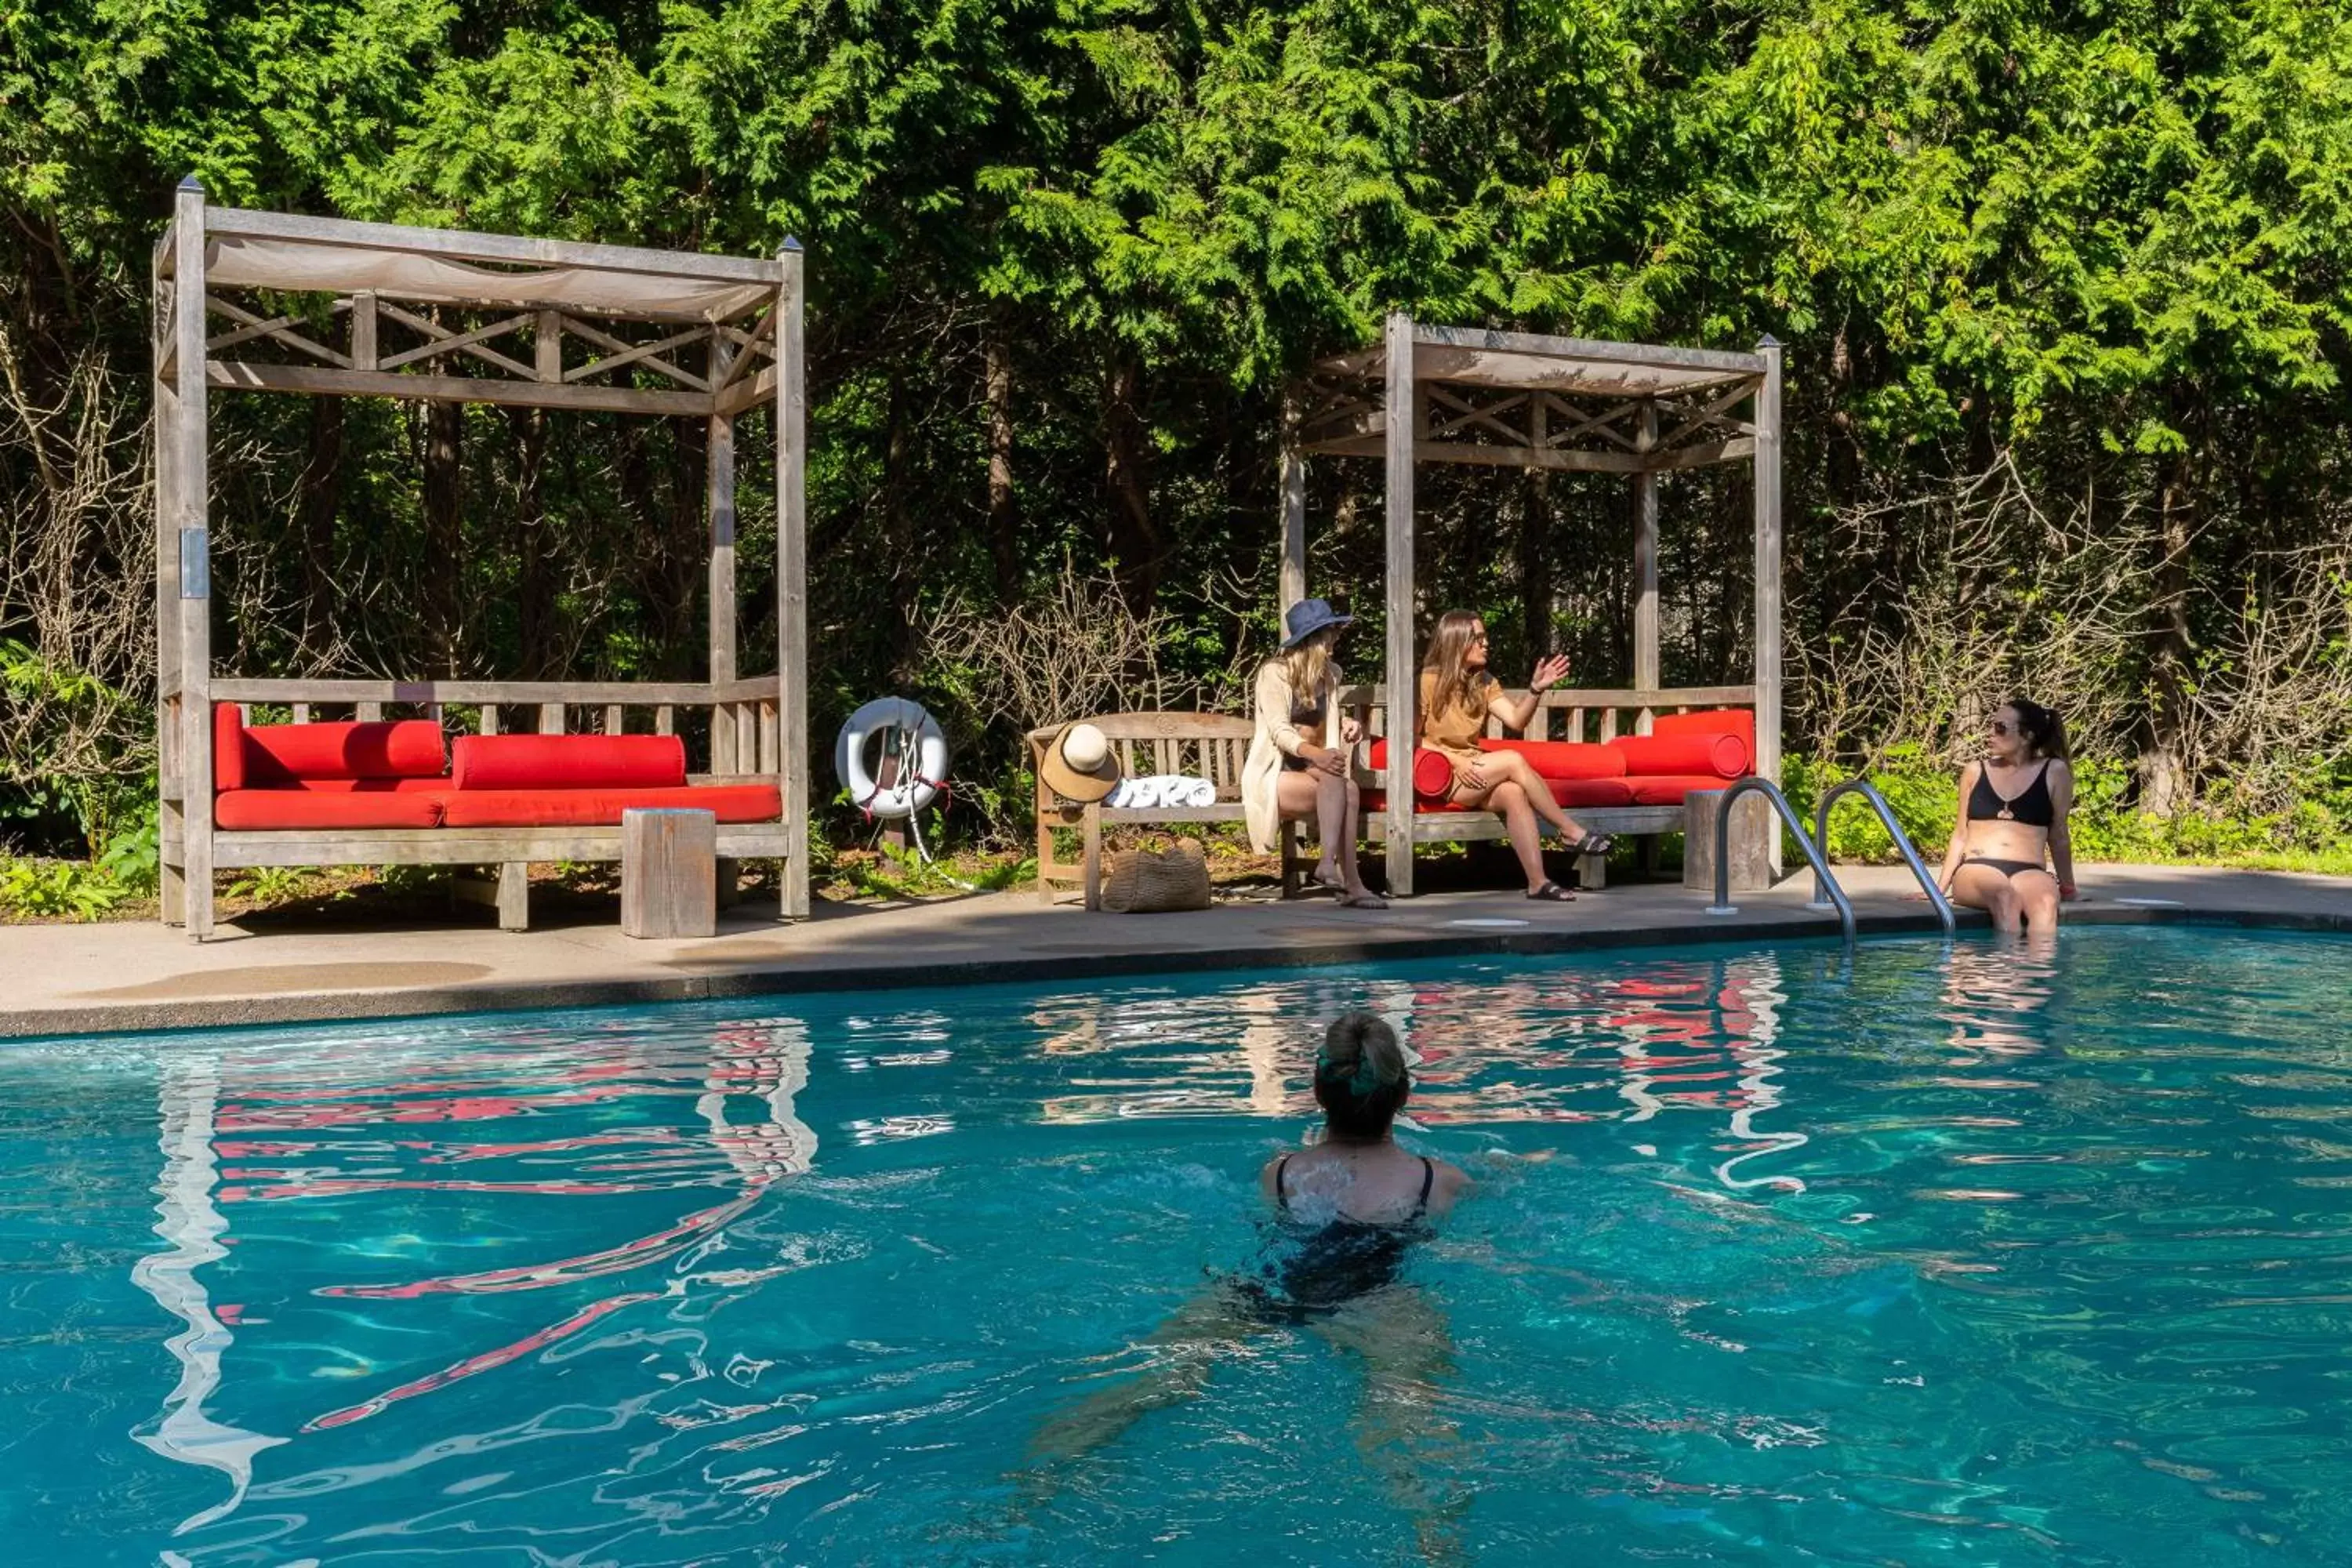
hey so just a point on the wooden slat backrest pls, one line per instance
(1614, 711)
(1202, 745)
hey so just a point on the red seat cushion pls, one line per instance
(254, 810)
(1669, 789)
(1592, 792)
(1723, 755)
(603, 808)
(1557, 760)
(510, 762)
(1433, 771)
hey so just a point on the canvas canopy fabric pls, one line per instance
(247, 262)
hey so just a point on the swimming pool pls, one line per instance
(1858, 1266)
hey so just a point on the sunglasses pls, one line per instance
(1478, 637)
(2001, 727)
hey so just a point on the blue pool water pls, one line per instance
(1972, 1257)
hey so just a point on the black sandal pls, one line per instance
(1593, 844)
(1553, 893)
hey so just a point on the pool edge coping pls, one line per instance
(494, 996)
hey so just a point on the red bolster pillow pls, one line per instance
(228, 747)
(1564, 760)
(279, 756)
(1739, 721)
(1433, 771)
(1723, 757)
(570, 762)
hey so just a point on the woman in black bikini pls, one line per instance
(1347, 1210)
(2013, 808)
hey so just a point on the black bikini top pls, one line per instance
(2030, 806)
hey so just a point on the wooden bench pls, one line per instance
(1212, 746)
(742, 741)
(1561, 714)
(1202, 745)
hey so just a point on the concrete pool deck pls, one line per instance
(72, 979)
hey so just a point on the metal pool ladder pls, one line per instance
(1862, 787)
(1823, 881)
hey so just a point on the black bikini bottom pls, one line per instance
(2006, 868)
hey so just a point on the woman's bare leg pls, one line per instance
(1509, 767)
(1509, 802)
(1988, 888)
(1337, 807)
(2037, 899)
(1184, 1350)
(1402, 1432)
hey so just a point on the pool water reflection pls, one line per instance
(1994, 1255)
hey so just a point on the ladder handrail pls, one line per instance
(1754, 785)
(1829, 797)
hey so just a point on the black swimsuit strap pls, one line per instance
(1281, 1198)
(1428, 1177)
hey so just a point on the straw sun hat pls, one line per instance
(1079, 764)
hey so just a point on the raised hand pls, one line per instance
(1550, 673)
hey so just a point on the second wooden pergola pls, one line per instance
(1450, 395)
(556, 324)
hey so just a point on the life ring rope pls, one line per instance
(909, 736)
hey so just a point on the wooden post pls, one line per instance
(1400, 410)
(514, 894)
(1645, 566)
(164, 334)
(1768, 573)
(546, 348)
(720, 494)
(192, 562)
(792, 577)
(1293, 584)
(668, 873)
(363, 352)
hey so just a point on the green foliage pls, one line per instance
(55, 889)
(132, 856)
(267, 885)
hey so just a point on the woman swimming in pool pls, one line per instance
(1352, 1202)
(2013, 808)
(1347, 1208)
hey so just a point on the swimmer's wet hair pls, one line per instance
(1360, 1076)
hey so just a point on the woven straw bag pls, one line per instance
(1152, 881)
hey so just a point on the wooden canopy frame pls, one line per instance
(574, 305)
(1449, 395)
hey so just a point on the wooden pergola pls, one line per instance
(1448, 395)
(565, 326)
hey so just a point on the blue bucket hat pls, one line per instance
(1308, 616)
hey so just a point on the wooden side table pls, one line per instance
(1751, 843)
(669, 873)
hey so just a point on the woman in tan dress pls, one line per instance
(1297, 763)
(1457, 694)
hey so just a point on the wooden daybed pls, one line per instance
(1515, 400)
(563, 326)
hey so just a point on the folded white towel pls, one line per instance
(1152, 792)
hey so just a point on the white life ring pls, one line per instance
(923, 757)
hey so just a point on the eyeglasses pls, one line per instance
(1477, 637)
(2001, 727)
